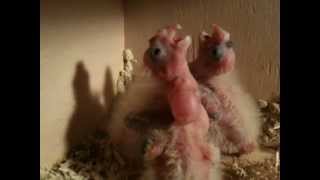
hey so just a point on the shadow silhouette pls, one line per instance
(108, 98)
(88, 111)
(108, 90)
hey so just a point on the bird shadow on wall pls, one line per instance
(89, 113)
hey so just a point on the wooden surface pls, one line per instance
(80, 56)
(254, 27)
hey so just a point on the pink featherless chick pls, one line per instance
(166, 58)
(235, 112)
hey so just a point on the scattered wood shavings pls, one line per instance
(243, 170)
(270, 137)
(262, 103)
(126, 74)
(96, 159)
(277, 159)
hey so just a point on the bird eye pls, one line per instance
(229, 44)
(157, 54)
(217, 53)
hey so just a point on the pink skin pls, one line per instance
(182, 88)
(205, 69)
(191, 122)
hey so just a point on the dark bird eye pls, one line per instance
(157, 54)
(217, 53)
(229, 44)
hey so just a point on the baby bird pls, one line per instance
(235, 112)
(166, 58)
